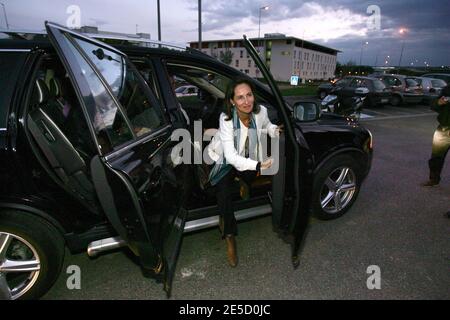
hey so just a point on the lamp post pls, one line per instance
(259, 21)
(360, 57)
(4, 12)
(159, 21)
(401, 31)
(200, 25)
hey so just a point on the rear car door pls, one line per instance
(292, 186)
(136, 183)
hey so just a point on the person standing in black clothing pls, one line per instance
(441, 138)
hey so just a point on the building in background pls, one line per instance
(285, 56)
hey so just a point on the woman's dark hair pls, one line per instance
(229, 95)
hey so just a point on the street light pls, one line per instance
(362, 46)
(259, 21)
(402, 31)
(4, 12)
(360, 57)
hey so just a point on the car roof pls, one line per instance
(361, 77)
(39, 40)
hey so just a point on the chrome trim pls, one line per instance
(15, 50)
(213, 221)
(138, 141)
(94, 248)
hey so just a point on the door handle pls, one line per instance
(152, 180)
(46, 131)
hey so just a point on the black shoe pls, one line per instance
(430, 183)
(447, 214)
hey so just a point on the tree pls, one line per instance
(226, 57)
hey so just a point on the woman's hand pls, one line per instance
(279, 129)
(266, 164)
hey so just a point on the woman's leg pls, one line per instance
(225, 203)
(227, 221)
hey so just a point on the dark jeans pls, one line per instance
(225, 200)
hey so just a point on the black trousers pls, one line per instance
(225, 201)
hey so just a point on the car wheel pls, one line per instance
(31, 255)
(336, 187)
(396, 100)
(322, 95)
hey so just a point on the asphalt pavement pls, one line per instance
(396, 229)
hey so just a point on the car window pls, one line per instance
(419, 81)
(140, 106)
(343, 82)
(355, 83)
(378, 85)
(397, 82)
(438, 83)
(411, 82)
(110, 126)
(180, 90)
(10, 63)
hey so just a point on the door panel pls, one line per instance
(292, 220)
(136, 183)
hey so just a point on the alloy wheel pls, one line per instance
(338, 190)
(19, 266)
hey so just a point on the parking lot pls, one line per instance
(396, 225)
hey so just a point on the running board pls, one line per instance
(213, 221)
(96, 247)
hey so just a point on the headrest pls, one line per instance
(40, 92)
(55, 87)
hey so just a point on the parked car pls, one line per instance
(442, 76)
(378, 94)
(186, 91)
(404, 89)
(88, 159)
(431, 88)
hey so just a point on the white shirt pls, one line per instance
(223, 141)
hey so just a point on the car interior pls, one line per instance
(56, 123)
(207, 106)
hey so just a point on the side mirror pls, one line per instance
(306, 111)
(361, 92)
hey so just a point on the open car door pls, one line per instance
(134, 179)
(292, 185)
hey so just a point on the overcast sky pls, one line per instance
(345, 25)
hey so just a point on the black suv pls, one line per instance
(88, 159)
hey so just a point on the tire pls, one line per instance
(396, 100)
(32, 239)
(324, 190)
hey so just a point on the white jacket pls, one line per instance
(222, 143)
